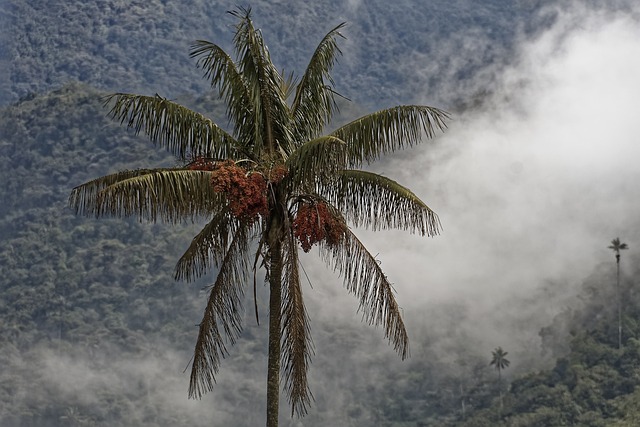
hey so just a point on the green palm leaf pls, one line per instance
(180, 130)
(296, 335)
(314, 102)
(83, 198)
(172, 195)
(207, 248)
(318, 159)
(272, 133)
(374, 201)
(363, 276)
(221, 70)
(385, 131)
(222, 315)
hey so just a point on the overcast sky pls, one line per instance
(532, 187)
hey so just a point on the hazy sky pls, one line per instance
(532, 187)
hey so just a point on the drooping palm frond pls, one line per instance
(385, 131)
(83, 198)
(208, 247)
(374, 201)
(182, 131)
(363, 276)
(272, 133)
(297, 346)
(314, 103)
(172, 195)
(221, 70)
(222, 318)
(318, 159)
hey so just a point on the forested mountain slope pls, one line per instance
(94, 330)
(142, 46)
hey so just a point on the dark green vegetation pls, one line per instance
(141, 46)
(95, 330)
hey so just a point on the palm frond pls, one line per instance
(207, 248)
(315, 160)
(83, 198)
(314, 103)
(172, 195)
(289, 83)
(221, 70)
(181, 131)
(297, 346)
(363, 276)
(385, 131)
(221, 322)
(272, 133)
(374, 201)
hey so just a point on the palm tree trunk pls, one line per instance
(275, 303)
(619, 302)
(500, 390)
(463, 407)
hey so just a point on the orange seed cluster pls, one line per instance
(202, 164)
(314, 222)
(245, 191)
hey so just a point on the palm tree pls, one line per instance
(500, 361)
(616, 247)
(274, 180)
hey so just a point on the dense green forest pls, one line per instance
(94, 330)
(141, 46)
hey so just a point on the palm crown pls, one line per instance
(499, 359)
(616, 246)
(276, 180)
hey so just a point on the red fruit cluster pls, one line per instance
(314, 222)
(245, 191)
(277, 173)
(202, 164)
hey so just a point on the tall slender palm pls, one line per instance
(499, 361)
(275, 180)
(616, 247)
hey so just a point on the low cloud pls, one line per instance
(532, 187)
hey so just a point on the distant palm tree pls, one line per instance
(274, 179)
(616, 247)
(500, 361)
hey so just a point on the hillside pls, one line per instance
(95, 330)
(142, 46)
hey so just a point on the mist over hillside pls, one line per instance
(535, 175)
